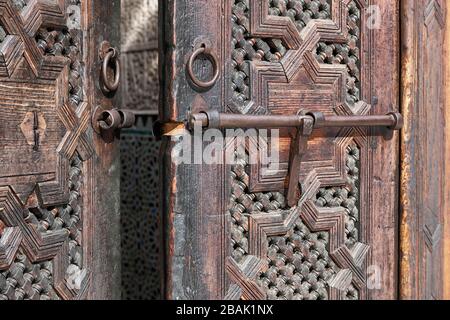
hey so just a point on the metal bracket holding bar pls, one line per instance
(304, 122)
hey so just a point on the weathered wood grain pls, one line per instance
(59, 188)
(423, 141)
(384, 171)
(447, 161)
(195, 239)
(103, 199)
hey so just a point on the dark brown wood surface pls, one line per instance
(59, 201)
(104, 208)
(229, 232)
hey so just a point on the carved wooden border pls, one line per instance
(423, 192)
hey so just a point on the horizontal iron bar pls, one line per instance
(359, 121)
(229, 120)
(218, 120)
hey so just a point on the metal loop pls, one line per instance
(398, 119)
(215, 62)
(127, 119)
(319, 118)
(110, 120)
(112, 55)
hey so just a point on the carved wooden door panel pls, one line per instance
(229, 231)
(58, 179)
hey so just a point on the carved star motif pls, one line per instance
(298, 58)
(19, 51)
(20, 45)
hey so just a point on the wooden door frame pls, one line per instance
(103, 207)
(447, 161)
(424, 198)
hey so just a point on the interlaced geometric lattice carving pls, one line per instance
(248, 48)
(27, 281)
(346, 197)
(62, 223)
(301, 11)
(67, 44)
(311, 251)
(299, 265)
(41, 221)
(244, 203)
(346, 53)
(140, 213)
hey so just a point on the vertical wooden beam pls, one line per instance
(423, 195)
(384, 176)
(101, 22)
(406, 87)
(447, 162)
(192, 204)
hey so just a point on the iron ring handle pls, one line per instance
(112, 55)
(215, 62)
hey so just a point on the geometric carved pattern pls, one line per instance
(301, 261)
(50, 235)
(299, 265)
(27, 281)
(41, 217)
(288, 55)
(139, 29)
(140, 214)
(256, 59)
(247, 48)
(301, 77)
(346, 53)
(243, 204)
(346, 197)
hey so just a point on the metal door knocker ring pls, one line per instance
(215, 62)
(112, 56)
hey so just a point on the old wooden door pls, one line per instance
(229, 231)
(59, 221)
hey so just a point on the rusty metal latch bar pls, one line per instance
(304, 123)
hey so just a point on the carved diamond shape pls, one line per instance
(33, 128)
